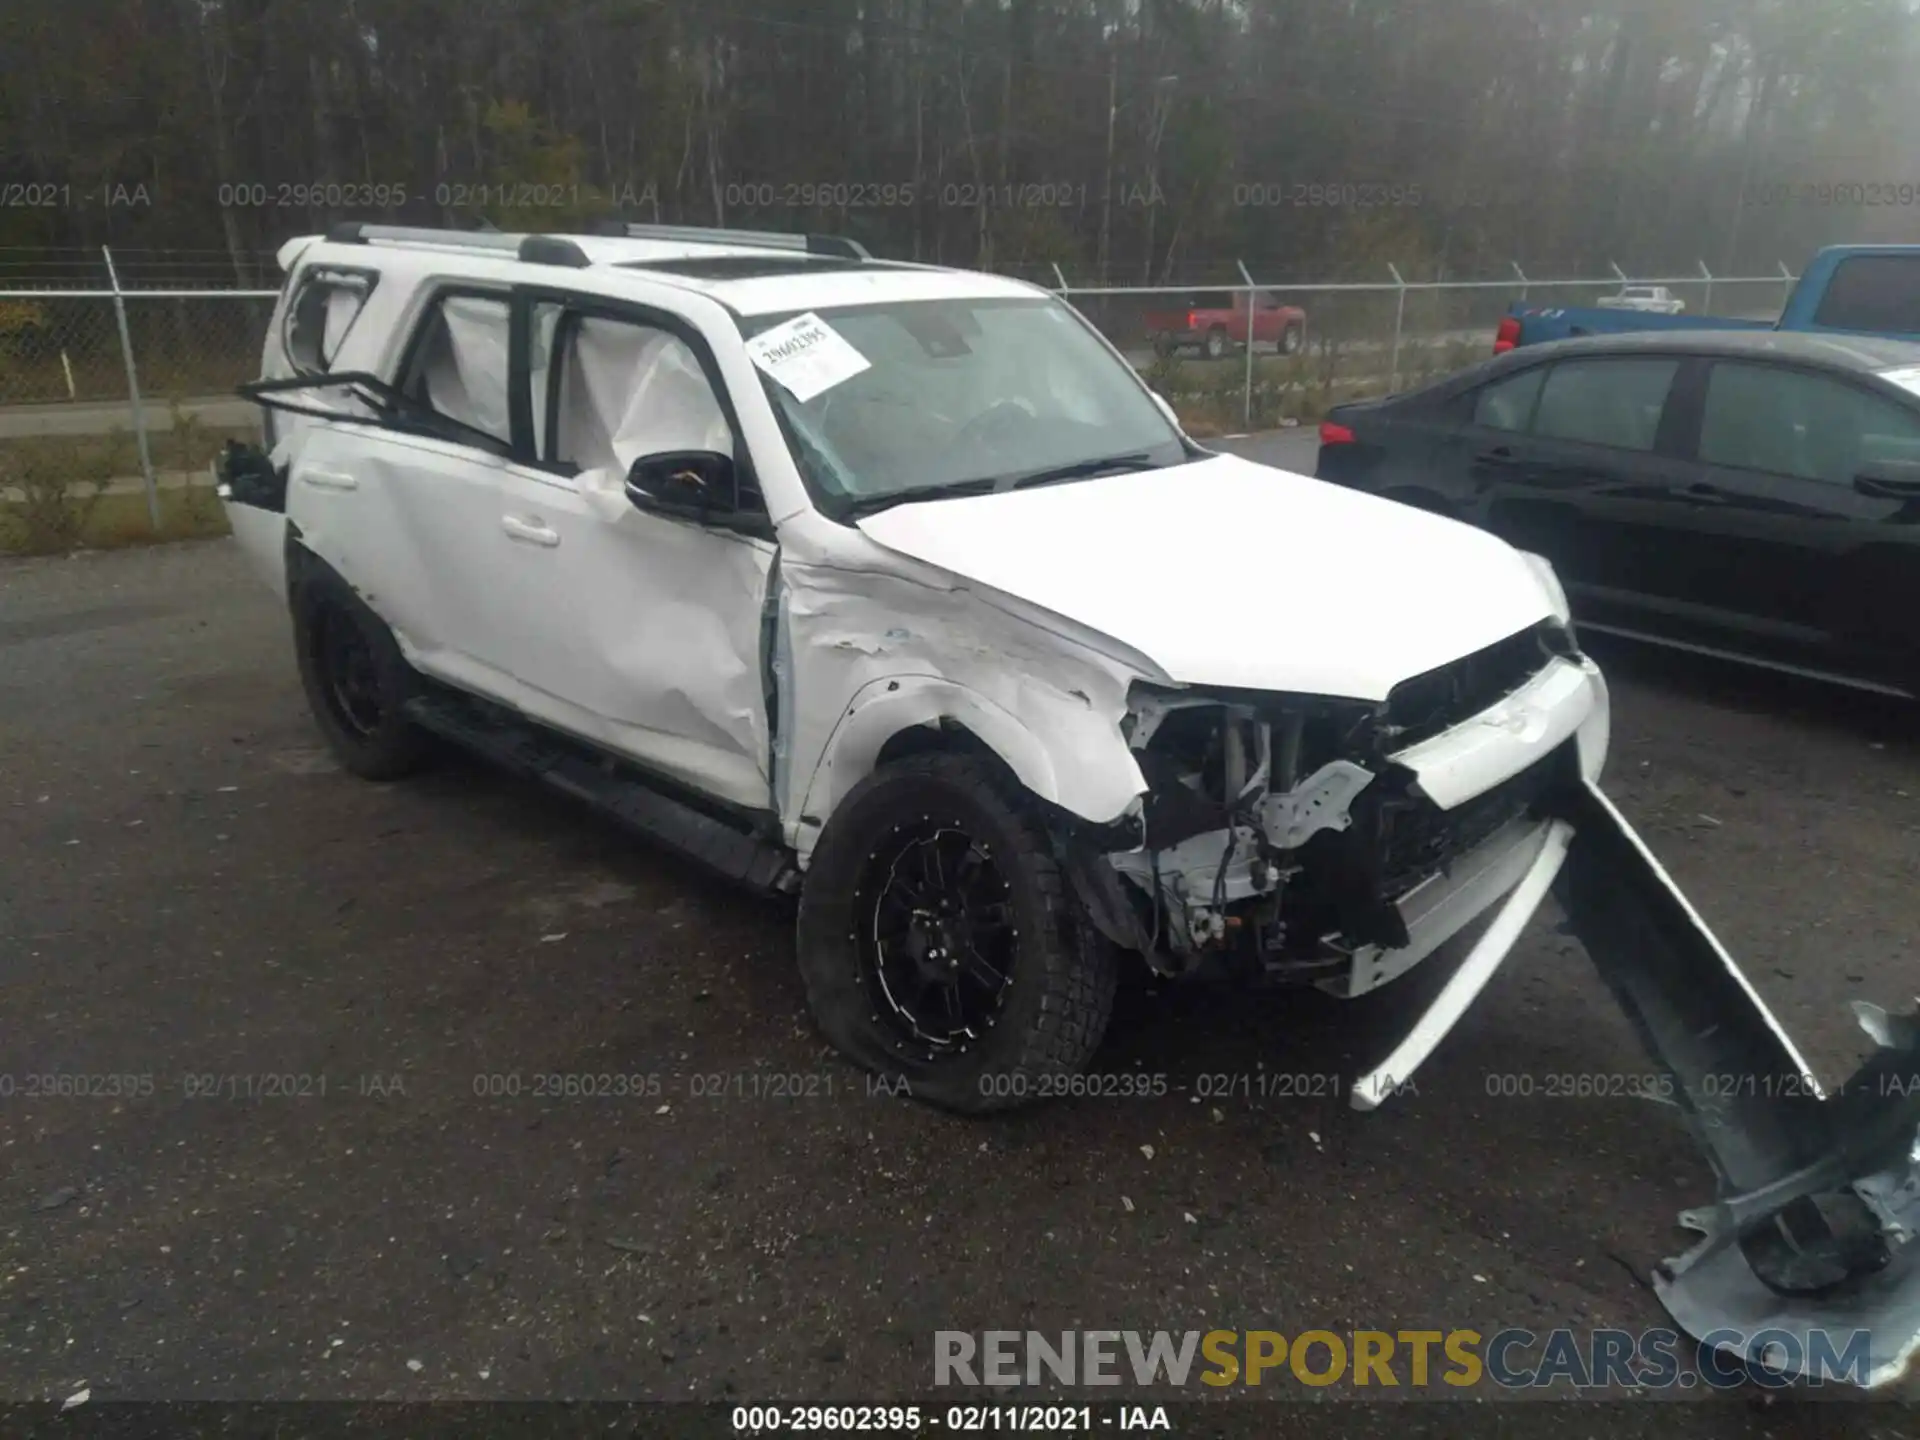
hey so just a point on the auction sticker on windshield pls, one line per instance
(807, 356)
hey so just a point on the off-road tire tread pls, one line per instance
(401, 748)
(1078, 968)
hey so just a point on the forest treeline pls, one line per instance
(1142, 140)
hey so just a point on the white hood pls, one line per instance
(1231, 574)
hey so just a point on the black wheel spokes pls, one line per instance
(977, 969)
(940, 938)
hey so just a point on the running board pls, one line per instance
(1809, 1254)
(611, 788)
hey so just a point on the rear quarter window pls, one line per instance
(325, 304)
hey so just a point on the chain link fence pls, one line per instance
(114, 402)
(1352, 339)
(113, 406)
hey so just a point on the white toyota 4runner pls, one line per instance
(895, 587)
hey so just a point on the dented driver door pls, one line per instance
(637, 631)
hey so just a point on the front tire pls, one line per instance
(1293, 339)
(356, 679)
(940, 944)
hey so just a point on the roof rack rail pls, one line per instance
(838, 246)
(534, 249)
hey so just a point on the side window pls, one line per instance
(459, 367)
(1789, 422)
(324, 306)
(1873, 292)
(1508, 404)
(618, 390)
(1605, 402)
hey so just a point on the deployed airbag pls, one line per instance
(629, 391)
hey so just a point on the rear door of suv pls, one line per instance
(318, 308)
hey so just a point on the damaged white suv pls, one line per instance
(894, 586)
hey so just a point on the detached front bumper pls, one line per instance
(1807, 1262)
(1810, 1244)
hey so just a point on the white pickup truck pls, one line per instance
(1651, 299)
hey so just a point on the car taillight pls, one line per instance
(1332, 434)
(1507, 336)
(1193, 320)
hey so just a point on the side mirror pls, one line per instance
(695, 483)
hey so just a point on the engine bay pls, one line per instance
(1280, 834)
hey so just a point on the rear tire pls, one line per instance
(940, 945)
(1216, 344)
(356, 679)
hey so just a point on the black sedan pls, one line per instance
(1750, 495)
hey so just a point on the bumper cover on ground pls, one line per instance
(1811, 1241)
(1808, 1261)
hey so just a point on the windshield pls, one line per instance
(971, 394)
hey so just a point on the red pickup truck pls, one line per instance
(1215, 322)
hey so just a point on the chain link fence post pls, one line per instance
(133, 392)
(1707, 275)
(1523, 279)
(1399, 327)
(1252, 305)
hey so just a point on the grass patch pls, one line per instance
(114, 521)
(64, 492)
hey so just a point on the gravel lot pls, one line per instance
(189, 887)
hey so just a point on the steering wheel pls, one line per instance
(994, 417)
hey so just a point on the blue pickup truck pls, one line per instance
(1847, 289)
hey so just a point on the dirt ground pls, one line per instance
(193, 896)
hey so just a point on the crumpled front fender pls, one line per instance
(1067, 754)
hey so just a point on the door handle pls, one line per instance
(1498, 456)
(1702, 494)
(531, 531)
(329, 479)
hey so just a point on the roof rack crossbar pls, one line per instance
(836, 245)
(535, 249)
